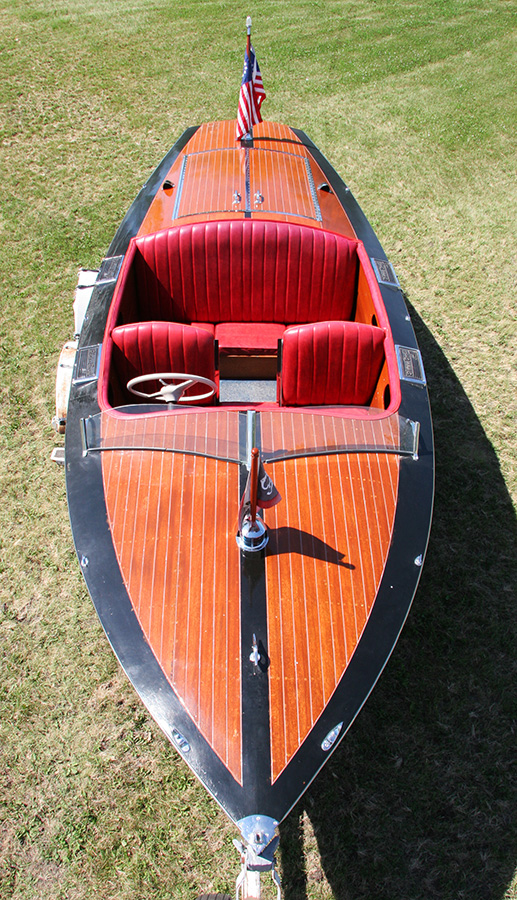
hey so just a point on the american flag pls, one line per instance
(251, 96)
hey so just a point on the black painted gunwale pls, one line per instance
(100, 567)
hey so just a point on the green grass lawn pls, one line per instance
(414, 103)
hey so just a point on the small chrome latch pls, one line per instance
(259, 198)
(255, 652)
(180, 741)
(331, 737)
(236, 198)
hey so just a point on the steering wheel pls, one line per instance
(170, 392)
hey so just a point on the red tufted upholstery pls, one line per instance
(248, 337)
(147, 347)
(331, 363)
(244, 271)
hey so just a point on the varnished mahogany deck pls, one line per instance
(173, 521)
(329, 541)
(280, 169)
(182, 574)
(323, 568)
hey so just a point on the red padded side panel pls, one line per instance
(124, 303)
(147, 347)
(331, 363)
(153, 280)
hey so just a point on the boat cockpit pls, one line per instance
(232, 312)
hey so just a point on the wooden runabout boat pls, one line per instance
(249, 463)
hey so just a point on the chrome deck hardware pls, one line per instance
(257, 853)
(252, 536)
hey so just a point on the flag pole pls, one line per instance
(248, 48)
(248, 31)
(254, 483)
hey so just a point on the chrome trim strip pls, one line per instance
(179, 189)
(247, 180)
(312, 188)
(251, 434)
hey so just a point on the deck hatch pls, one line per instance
(212, 180)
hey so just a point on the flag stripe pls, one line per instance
(251, 96)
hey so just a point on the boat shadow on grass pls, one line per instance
(418, 800)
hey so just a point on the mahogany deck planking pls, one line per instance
(182, 575)
(216, 169)
(173, 521)
(323, 568)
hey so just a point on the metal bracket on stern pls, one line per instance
(257, 852)
(247, 886)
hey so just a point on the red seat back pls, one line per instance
(245, 271)
(331, 363)
(147, 347)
